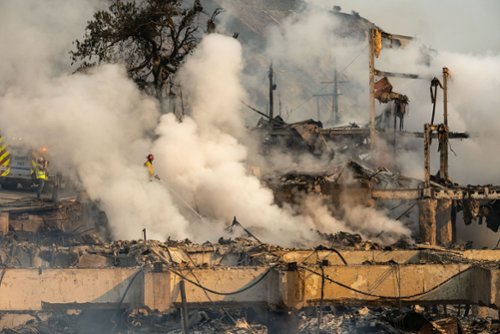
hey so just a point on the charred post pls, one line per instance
(272, 87)
(427, 158)
(443, 133)
(371, 55)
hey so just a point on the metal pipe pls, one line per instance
(445, 95)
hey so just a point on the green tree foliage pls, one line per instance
(151, 37)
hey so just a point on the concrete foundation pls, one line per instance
(35, 290)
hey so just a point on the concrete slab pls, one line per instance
(29, 289)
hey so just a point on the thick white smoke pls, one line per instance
(203, 158)
(96, 127)
(305, 52)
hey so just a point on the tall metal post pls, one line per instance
(271, 92)
(372, 87)
(443, 131)
(445, 95)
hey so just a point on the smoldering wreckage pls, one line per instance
(61, 273)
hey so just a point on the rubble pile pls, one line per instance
(338, 319)
(349, 240)
(142, 320)
(57, 238)
(44, 242)
(226, 252)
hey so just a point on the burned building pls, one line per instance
(61, 273)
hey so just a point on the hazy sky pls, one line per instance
(446, 25)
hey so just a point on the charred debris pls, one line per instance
(61, 273)
(373, 178)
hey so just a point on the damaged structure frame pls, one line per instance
(293, 280)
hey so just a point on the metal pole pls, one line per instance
(184, 310)
(443, 170)
(271, 88)
(445, 95)
(372, 88)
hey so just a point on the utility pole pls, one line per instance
(335, 95)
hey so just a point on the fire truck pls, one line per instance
(18, 163)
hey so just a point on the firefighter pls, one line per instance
(41, 175)
(149, 165)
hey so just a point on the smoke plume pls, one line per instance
(97, 127)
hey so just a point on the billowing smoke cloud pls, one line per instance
(94, 124)
(97, 127)
(203, 158)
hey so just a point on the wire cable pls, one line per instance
(324, 87)
(219, 292)
(387, 297)
(208, 296)
(113, 319)
(333, 250)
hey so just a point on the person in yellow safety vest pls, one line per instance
(41, 175)
(149, 165)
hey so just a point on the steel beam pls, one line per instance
(458, 193)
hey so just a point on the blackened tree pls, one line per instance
(151, 37)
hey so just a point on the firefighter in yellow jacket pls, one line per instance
(149, 166)
(41, 175)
